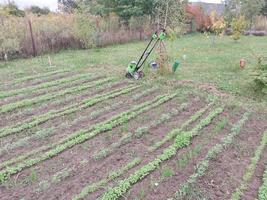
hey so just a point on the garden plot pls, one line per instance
(85, 136)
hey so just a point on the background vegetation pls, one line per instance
(97, 23)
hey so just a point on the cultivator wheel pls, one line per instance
(138, 75)
(128, 75)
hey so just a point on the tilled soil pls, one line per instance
(226, 171)
(83, 121)
(65, 175)
(156, 186)
(71, 157)
(23, 114)
(256, 181)
(34, 82)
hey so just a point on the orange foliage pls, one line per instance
(196, 14)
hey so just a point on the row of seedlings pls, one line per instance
(37, 120)
(42, 134)
(36, 77)
(250, 169)
(46, 85)
(47, 97)
(182, 140)
(203, 165)
(79, 137)
(138, 133)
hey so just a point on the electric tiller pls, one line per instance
(133, 69)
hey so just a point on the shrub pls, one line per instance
(11, 33)
(218, 26)
(238, 25)
(57, 31)
(198, 19)
(260, 75)
(85, 30)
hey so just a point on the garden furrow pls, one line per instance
(122, 154)
(16, 118)
(144, 93)
(87, 104)
(35, 121)
(69, 126)
(79, 160)
(203, 165)
(84, 135)
(181, 141)
(37, 76)
(45, 85)
(138, 133)
(162, 183)
(239, 192)
(263, 189)
(174, 133)
(110, 177)
(95, 116)
(29, 102)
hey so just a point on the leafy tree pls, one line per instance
(264, 9)
(218, 25)
(12, 9)
(124, 9)
(9, 42)
(171, 13)
(251, 9)
(238, 25)
(39, 11)
(232, 9)
(67, 5)
(130, 8)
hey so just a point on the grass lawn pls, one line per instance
(218, 64)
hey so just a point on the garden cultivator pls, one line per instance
(133, 69)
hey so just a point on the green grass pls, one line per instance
(167, 172)
(217, 64)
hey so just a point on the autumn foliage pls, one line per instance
(197, 17)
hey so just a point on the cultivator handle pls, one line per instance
(133, 67)
(155, 37)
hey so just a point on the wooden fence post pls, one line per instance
(32, 37)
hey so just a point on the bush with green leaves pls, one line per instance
(10, 33)
(260, 75)
(238, 25)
